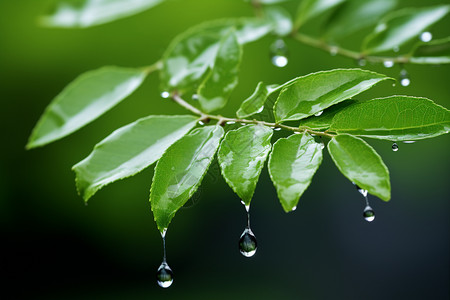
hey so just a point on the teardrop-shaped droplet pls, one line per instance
(426, 36)
(361, 62)
(247, 243)
(164, 275)
(333, 50)
(165, 94)
(388, 63)
(394, 147)
(278, 53)
(319, 113)
(404, 78)
(369, 214)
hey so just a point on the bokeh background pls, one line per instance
(55, 247)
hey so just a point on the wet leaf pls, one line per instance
(180, 170)
(292, 165)
(396, 118)
(129, 150)
(241, 157)
(310, 94)
(401, 26)
(85, 99)
(361, 164)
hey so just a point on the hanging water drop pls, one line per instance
(361, 62)
(165, 94)
(195, 97)
(404, 78)
(164, 276)
(247, 243)
(369, 214)
(319, 113)
(278, 53)
(388, 63)
(294, 208)
(426, 36)
(333, 50)
(394, 147)
(277, 128)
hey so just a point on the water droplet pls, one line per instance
(230, 122)
(333, 50)
(294, 208)
(260, 110)
(361, 62)
(247, 243)
(394, 147)
(165, 94)
(194, 97)
(426, 36)
(322, 145)
(164, 275)
(404, 78)
(360, 190)
(277, 128)
(396, 48)
(369, 214)
(388, 63)
(278, 53)
(201, 122)
(319, 113)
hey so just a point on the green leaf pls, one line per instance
(85, 99)
(434, 52)
(354, 15)
(402, 26)
(310, 9)
(255, 103)
(313, 93)
(323, 121)
(191, 54)
(241, 157)
(281, 19)
(292, 165)
(222, 78)
(129, 150)
(396, 118)
(180, 171)
(361, 164)
(87, 13)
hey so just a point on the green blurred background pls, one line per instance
(55, 247)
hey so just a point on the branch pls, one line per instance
(320, 44)
(223, 120)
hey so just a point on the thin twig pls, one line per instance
(320, 44)
(223, 120)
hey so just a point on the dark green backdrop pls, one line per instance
(55, 247)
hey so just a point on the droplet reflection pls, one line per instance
(426, 36)
(369, 214)
(394, 147)
(164, 275)
(247, 243)
(278, 53)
